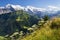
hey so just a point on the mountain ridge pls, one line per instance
(50, 10)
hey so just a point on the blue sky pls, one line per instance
(36, 3)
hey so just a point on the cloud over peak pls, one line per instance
(53, 8)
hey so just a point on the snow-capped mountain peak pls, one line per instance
(31, 8)
(35, 8)
(50, 10)
(15, 7)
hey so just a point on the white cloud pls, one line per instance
(2, 7)
(53, 8)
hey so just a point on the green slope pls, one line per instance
(49, 31)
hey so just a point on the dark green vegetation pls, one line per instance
(20, 25)
(14, 23)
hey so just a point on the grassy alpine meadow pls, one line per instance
(48, 31)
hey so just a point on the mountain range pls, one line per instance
(50, 10)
